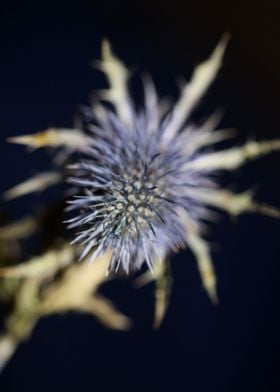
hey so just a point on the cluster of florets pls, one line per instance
(132, 196)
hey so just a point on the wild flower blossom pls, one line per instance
(145, 185)
(146, 179)
(145, 182)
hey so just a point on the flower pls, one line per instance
(146, 180)
(136, 190)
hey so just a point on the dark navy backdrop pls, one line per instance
(44, 75)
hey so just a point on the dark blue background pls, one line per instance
(44, 75)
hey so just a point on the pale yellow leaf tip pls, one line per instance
(106, 49)
(36, 183)
(212, 295)
(37, 140)
(25, 139)
(222, 44)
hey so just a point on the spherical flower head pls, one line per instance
(134, 191)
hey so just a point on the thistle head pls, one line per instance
(129, 197)
(135, 188)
